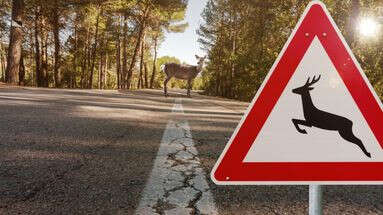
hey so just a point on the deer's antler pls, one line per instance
(315, 80)
(307, 82)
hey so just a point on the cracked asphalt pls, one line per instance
(177, 184)
(94, 152)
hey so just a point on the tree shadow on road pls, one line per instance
(57, 158)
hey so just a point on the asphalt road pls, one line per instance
(93, 152)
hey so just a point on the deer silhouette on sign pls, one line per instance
(324, 120)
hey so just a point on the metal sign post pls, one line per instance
(315, 200)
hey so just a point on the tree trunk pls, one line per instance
(99, 74)
(137, 48)
(154, 62)
(21, 71)
(3, 66)
(2, 62)
(223, 80)
(56, 37)
(39, 77)
(74, 72)
(105, 64)
(140, 81)
(94, 51)
(146, 75)
(233, 54)
(218, 82)
(88, 57)
(101, 77)
(15, 42)
(134, 57)
(118, 66)
(145, 83)
(100, 63)
(106, 69)
(32, 57)
(118, 57)
(44, 57)
(125, 54)
(85, 63)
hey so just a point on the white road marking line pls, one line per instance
(177, 184)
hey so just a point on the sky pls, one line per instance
(185, 46)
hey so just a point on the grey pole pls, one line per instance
(315, 200)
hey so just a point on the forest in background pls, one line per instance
(113, 44)
(243, 38)
(104, 44)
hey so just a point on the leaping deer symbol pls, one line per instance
(324, 120)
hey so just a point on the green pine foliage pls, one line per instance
(99, 42)
(243, 39)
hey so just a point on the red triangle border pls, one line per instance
(230, 168)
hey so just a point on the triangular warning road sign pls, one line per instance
(315, 119)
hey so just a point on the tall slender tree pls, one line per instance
(15, 42)
(55, 22)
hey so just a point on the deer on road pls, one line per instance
(183, 72)
(324, 120)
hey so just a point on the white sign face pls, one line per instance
(279, 140)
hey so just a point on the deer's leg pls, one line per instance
(189, 87)
(349, 136)
(298, 122)
(166, 86)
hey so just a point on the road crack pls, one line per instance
(177, 183)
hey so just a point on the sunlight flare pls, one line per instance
(368, 27)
